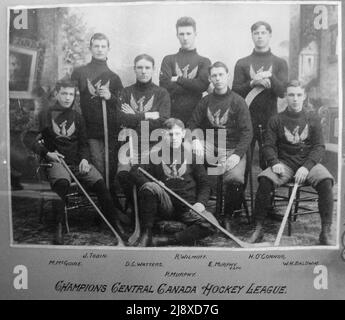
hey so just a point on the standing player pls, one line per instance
(185, 74)
(96, 82)
(260, 78)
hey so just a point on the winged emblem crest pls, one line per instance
(139, 106)
(172, 172)
(216, 120)
(94, 89)
(62, 131)
(294, 137)
(264, 74)
(184, 72)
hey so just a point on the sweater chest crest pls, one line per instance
(186, 72)
(141, 105)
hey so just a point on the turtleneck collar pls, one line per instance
(223, 94)
(57, 107)
(142, 85)
(184, 51)
(293, 114)
(262, 54)
(99, 62)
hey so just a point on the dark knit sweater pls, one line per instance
(265, 103)
(192, 70)
(294, 139)
(190, 180)
(227, 111)
(144, 97)
(89, 78)
(62, 130)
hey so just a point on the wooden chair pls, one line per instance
(304, 195)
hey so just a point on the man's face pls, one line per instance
(295, 97)
(143, 70)
(99, 49)
(186, 36)
(65, 97)
(174, 136)
(219, 78)
(261, 37)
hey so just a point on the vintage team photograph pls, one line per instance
(166, 124)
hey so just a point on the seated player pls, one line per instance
(63, 136)
(224, 111)
(179, 172)
(293, 149)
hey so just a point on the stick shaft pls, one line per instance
(286, 215)
(120, 242)
(238, 241)
(106, 142)
(136, 234)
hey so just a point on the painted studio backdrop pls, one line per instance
(46, 44)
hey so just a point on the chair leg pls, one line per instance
(296, 204)
(219, 201)
(41, 208)
(66, 219)
(246, 207)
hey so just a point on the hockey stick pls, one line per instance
(136, 234)
(211, 221)
(106, 142)
(286, 215)
(120, 242)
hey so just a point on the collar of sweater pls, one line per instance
(262, 54)
(142, 86)
(58, 108)
(184, 51)
(98, 62)
(222, 95)
(292, 114)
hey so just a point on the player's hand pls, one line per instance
(84, 166)
(301, 174)
(278, 169)
(126, 108)
(152, 115)
(54, 156)
(104, 93)
(197, 147)
(199, 207)
(266, 83)
(232, 161)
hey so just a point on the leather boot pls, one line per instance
(145, 239)
(162, 241)
(58, 234)
(258, 233)
(325, 235)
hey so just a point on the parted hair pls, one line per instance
(171, 122)
(218, 64)
(99, 36)
(186, 22)
(258, 24)
(145, 57)
(295, 83)
(65, 83)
